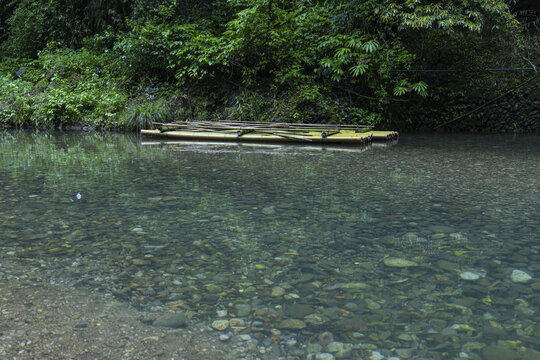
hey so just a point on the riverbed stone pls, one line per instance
(520, 276)
(220, 324)
(354, 286)
(291, 324)
(237, 323)
(172, 320)
(320, 356)
(375, 355)
(499, 352)
(313, 347)
(404, 353)
(437, 324)
(473, 346)
(325, 338)
(447, 265)
(339, 350)
(372, 305)
(316, 319)
(244, 337)
(406, 337)
(355, 323)
(141, 262)
(299, 310)
(242, 310)
(472, 274)
(278, 291)
(441, 229)
(398, 262)
(82, 325)
(269, 210)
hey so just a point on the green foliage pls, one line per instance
(404, 86)
(62, 87)
(128, 63)
(15, 105)
(446, 15)
(33, 24)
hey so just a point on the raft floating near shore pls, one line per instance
(270, 132)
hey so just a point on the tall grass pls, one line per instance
(141, 115)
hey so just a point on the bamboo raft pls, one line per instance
(269, 132)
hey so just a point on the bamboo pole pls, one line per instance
(285, 135)
(239, 132)
(236, 124)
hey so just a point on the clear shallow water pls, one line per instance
(406, 251)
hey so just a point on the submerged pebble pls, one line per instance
(220, 324)
(269, 210)
(354, 286)
(291, 324)
(325, 337)
(242, 309)
(473, 274)
(278, 291)
(339, 349)
(520, 276)
(398, 262)
(375, 355)
(172, 320)
(320, 356)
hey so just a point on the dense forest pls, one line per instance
(400, 64)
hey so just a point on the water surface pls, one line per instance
(405, 251)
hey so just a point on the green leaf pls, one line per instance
(326, 63)
(359, 69)
(421, 88)
(343, 52)
(370, 46)
(400, 90)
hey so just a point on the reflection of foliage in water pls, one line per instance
(401, 177)
(65, 161)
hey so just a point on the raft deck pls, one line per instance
(270, 132)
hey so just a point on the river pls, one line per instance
(428, 249)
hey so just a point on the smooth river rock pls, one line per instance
(299, 310)
(472, 274)
(242, 309)
(340, 350)
(220, 324)
(520, 276)
(354, 286)
(292, 324)
(278, 291)
(172, 320)
(398, 262)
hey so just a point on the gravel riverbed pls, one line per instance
(41, 318)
